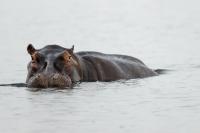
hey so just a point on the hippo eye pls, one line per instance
(61, 58)
(33, 62)
(36, 58)
(39, 59)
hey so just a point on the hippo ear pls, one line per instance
(31, 50)
(71, 50)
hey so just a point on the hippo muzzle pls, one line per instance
(54, 80)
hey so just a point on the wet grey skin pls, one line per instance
(59, 67)
(54, 66)
(49, 67)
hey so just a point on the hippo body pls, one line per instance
(97, 66)
(56, 66)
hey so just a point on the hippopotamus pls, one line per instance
(60, 67)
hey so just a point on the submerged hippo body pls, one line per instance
(55, 66)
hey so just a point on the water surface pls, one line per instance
(163, 34)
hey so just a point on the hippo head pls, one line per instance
(50, 66)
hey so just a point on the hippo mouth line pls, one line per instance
(53, 81)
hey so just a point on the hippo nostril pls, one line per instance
(38, 76)
(38, 81)
(56, 76)
(59, 81)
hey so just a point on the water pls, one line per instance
(163, 34)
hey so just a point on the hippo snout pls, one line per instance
(60, 81)
(44, 81)
(38, 81)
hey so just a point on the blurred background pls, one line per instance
(162, 33)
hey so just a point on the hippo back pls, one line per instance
(109, 67)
